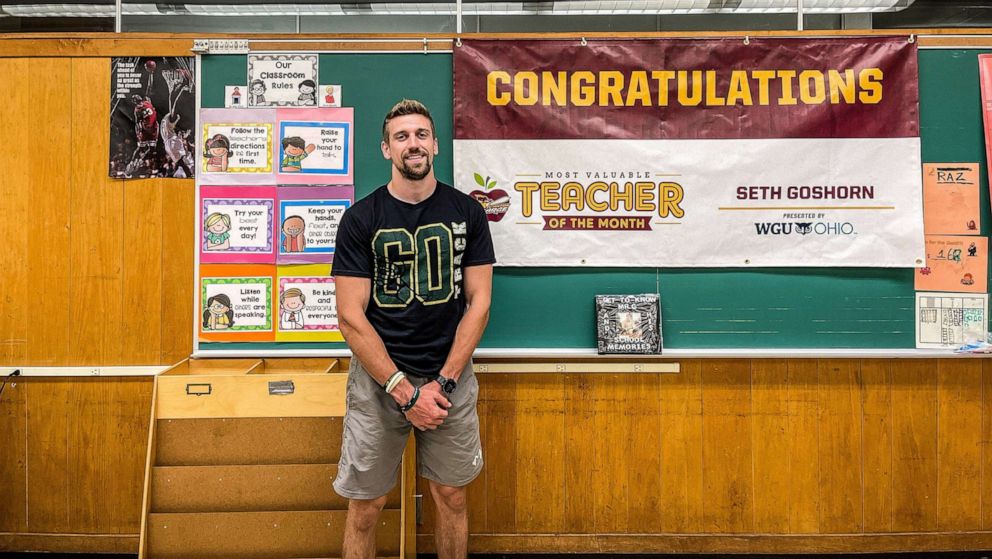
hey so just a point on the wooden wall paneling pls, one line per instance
(728, 476)
(986, 446)
(108, 438)
(178, 239)
(682, 450)
(876, 398)
(476, 495)
(540, 474)
(914, 446)
(959, 444)
(13, 463)
(770, 439)
(593, 445)
(47, 215)
(141, 315)
(641, 406)
(96, 288)
(498, 413)
(15, 198)
(49, 401)
(841, 499)
(804, 444)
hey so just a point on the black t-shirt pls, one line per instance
(414, 254)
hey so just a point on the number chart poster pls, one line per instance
(237, 224)
(236, 302)
(708, 152)
(308, 222)
(307, 307)
(270, 146)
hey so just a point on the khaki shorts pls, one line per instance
(375, 435)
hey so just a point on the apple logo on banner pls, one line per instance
(496, 202)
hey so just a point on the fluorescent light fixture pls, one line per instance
(559, 7)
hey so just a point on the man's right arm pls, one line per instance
(366, 345)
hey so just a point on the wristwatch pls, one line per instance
(448, 385)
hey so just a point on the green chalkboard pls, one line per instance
(701, 308)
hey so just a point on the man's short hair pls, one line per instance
(403, 108)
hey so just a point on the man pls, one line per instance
(413, 270)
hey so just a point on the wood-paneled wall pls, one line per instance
(95, 271)
(72, 461)
(736, 456)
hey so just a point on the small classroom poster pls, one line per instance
(308, 222)
(282, 80)
(237, 224)
(951, 199)
(315, 146)
(950, 320)
(307, 309)
(955, 263)
(236, 146)
(236, 302)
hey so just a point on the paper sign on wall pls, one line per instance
(950, 199)
(955, 263)
(236, 302)
(306, 304)
(315, 146)
(282, 80)
(945, 320)
(236, 146)
(308, 222)
(237, 224)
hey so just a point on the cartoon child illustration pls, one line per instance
(329, 98)
(295, 150)
(256, 92)
(968, 279)
(308, 93)
(972, 250)
(291, 305)
(217, 230)
(236, 96)
(293, 239)
(217, 150)
(218, 314)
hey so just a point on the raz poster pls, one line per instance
(152, 117)
(237, 224)
(955, 263)
(306, 304)
(236, 302)
(308, 222)
(950, 199)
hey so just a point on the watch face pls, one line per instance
(449, 386)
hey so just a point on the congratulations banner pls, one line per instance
(778, 152)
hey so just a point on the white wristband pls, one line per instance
(394, 381)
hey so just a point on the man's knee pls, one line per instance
(450, 498)
(364, 513)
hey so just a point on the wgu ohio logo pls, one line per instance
(805, 228)
(494, 200)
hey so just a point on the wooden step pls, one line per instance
(260, 535)
(243, 441)
(282, 487)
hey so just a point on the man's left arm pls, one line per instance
(478, 285)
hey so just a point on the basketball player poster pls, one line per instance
(152, 117)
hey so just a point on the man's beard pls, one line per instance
(414, 175)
